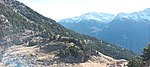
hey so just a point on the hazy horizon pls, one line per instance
(59, 9)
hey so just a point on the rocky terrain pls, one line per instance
(22, 56)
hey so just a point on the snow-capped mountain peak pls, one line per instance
(147, 10)
(100, 17)
(136, 16)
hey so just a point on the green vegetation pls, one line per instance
(77, 55)
(142, 60)
(146, 53)
(72, 50)
(135, 62)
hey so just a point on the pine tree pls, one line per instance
(146, 53)
(135, 62)
(142, 60)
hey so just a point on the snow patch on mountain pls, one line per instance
(136, 16)
(100, 17)
(92, 17)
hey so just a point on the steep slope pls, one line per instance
(26, 37)
(89, 23)
(131, 30)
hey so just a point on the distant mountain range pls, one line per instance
(89, 23)
(129, 30)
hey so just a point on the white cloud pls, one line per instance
(58, 9)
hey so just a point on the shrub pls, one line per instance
(135, 62)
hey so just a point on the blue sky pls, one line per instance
(59, 9)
